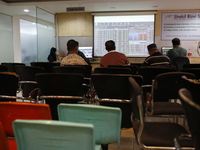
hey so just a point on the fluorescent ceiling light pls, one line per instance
(26, 10)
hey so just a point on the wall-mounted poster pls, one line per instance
(183, 25)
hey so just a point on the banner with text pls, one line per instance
(182, 25)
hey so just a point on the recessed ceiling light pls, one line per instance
(26, 10)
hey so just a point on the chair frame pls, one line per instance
(138, 119)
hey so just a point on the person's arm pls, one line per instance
(83, 56)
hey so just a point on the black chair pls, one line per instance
(132, 67)
(178, 62)
(3, 68)
(27, 78)
(195, 71)
(69, 69)
(137, 64)
(88, 72)
(192, 112)
(59, 88)
(11, 66)
(193, 86)
(9, 85)
(191, 66)
(149, 73)
(151, 135)
(112, 70)
(86, 86)
(48, 66)
(113, 90)
(165, 88)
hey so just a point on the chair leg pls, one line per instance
(104, 146)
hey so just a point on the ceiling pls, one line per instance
(16, 7)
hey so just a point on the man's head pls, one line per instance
(152, 48)
(176, 42)
(110, 45)
(72, 46)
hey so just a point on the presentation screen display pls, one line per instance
(131, 34)
(87, 51)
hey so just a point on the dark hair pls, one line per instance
(71, 45)
(77, 43)
(110, 45)
(176, 41)
(152, 46)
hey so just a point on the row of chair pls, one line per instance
(108, 86)
(103, 128)
(101, 81)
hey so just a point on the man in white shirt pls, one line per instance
(72, 58)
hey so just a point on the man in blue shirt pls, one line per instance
(177, 50)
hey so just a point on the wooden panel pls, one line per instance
(75, 24)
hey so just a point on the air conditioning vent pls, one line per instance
(75, 9)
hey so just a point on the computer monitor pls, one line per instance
(165, 49)
(87, 51)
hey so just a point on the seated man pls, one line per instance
(177, 50)
(72, 58)
(156, 58)
(113, 57)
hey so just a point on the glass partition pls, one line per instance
(45, 34)
(6, 38)
(28, 37)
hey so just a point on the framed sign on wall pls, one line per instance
(183, 25)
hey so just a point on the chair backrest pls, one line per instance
(8, 84)
(112, 70)
(69, 69)
(3, 141)
(149, 73)
(53, 135)
(27, 73)
(138, 107)
(88, 70)
(3, 68)
(191, 66)
(11, 66)
(179, 61)
(193, 87)
(106, 120)
(59, 83)
(132, 67)
(48, 66)
(113, 86)
(195, 71)
(192, 112)
(9, 111)
(167, 85)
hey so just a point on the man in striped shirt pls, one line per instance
(156, 58)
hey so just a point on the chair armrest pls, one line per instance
(82, 99)
(31, 82)
(148, 85)
(115, 100)
(149, 103)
